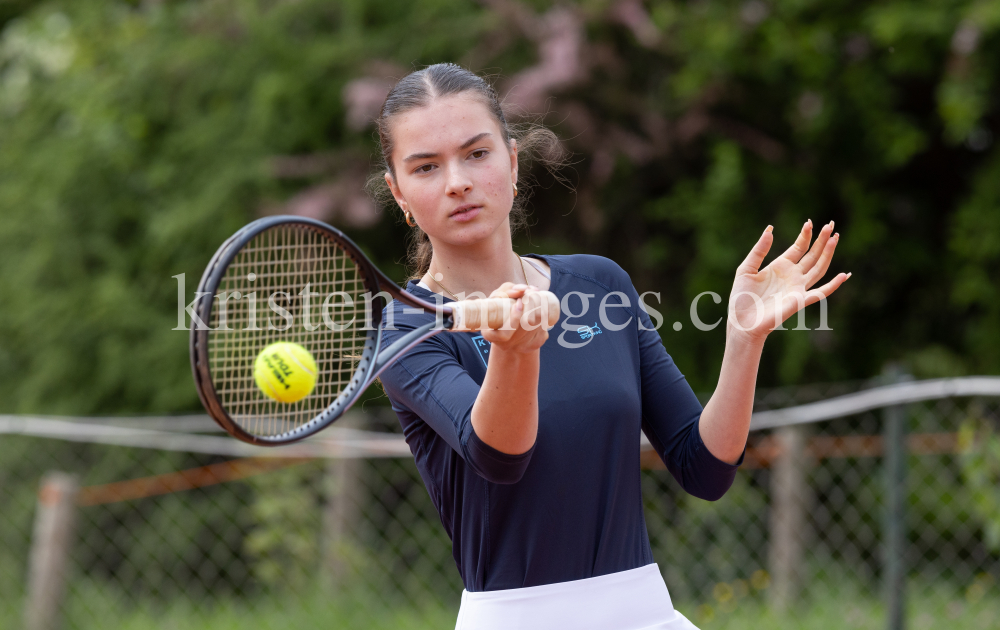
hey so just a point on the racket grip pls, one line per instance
(492, 313)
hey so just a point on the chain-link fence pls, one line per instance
(804, 539)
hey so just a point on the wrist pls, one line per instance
(745, 337)
(514, 355)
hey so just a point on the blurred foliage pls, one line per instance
(132, 142)
(981, 471)
(283, 541)
(158, 547)
(136, 136)
(693, 540)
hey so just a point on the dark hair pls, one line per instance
(419, 88)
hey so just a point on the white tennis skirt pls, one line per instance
(636, 599)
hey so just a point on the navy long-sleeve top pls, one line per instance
(571, 506)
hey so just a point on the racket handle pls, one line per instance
(492, 313)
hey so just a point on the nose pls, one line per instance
(459, 183)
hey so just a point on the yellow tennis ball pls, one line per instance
(285, 372)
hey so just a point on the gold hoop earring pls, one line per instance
(515, 190)
(409, 219)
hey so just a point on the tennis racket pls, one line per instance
(287, 278)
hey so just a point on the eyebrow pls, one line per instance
(465, 145)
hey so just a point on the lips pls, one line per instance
(463, 208)
(465, 212)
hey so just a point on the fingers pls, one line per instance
(825, 256)
(525, 328)
(532, 312)
(541, 309)
(809, 260)
(509, 289)
(751, 264)
(502, 290)
(801, 244)
(827, 289)
(473, 315)
(526, 322)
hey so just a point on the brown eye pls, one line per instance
(479, 154)
(426, 168)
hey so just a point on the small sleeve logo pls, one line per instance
(482, 347)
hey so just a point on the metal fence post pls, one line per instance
(894, 439)
(786, 538)
(50, 549)
(341, 511)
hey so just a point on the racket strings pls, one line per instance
(261, 300)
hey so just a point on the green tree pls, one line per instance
(135, 137)
(132, 142)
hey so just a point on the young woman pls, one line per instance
(528, 441)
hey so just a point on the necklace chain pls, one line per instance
(448, 291)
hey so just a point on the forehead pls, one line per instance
(441, 125)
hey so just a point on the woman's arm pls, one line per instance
(493, 426)
(761, 300)
(725, 422)
(505, 414)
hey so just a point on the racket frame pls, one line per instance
(373, 361)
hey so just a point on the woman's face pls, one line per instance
(454, 173)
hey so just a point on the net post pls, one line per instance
(894, 522)
(50, 550)
(341, 510)
(789, 502)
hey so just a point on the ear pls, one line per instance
(513, 160)
(396, 194)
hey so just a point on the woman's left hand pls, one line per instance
(764, 298)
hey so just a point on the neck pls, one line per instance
(474, 269)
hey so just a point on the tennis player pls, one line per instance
(527, 439)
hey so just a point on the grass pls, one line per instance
(732, 607)
(94, 607)
(847, 605)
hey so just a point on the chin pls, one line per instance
(472, 232)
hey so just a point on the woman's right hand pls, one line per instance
(528, 323)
